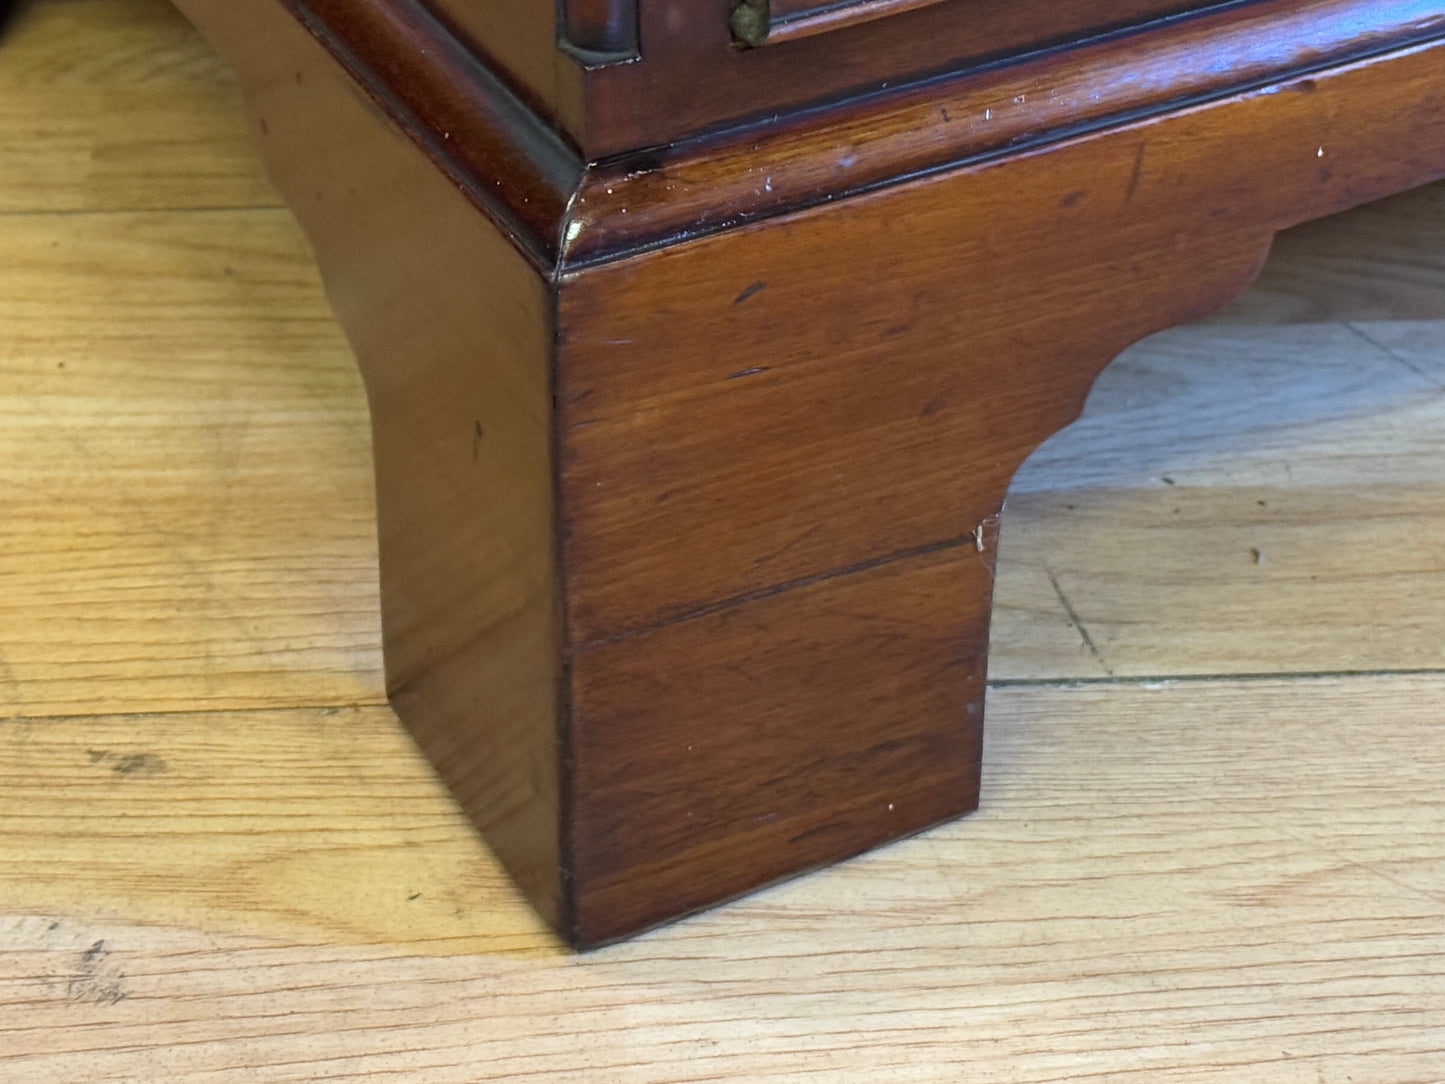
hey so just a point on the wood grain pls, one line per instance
(168, 385)
(900, 351)
(452, 330)
(1257, 897)
(252, 818)
(1190, 880)
(864, 377)
(803, 400)
(114, 141)
(1254, 463)
(690, 43)
(761, 740)
(566, 208)
(942, 125)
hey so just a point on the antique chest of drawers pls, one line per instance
(702, 338)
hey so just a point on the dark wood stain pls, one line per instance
(451, 326)
(686, 582)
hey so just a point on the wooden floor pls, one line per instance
(1212, 845)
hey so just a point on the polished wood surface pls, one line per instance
(863, 379)
(451, 325)
(825, 154)
(1181, 870)
(464, 118)
(566, 209)
(759, 425)
(606, 73)
(775, 736)
(691, 44)
(519, 38)
(669, 617)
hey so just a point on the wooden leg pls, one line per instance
(777, 735)
(452, 330)
(783, 456)
(687, 551)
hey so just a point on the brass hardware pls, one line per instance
(751, 21)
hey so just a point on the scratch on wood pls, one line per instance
(90, 984)
(1138, 173)
(778, 553)
(822, 829)
(690, 614)
(128, 763)
(749, 291)
(139, 764)
(1077, 623)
